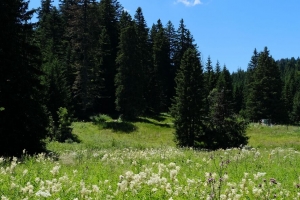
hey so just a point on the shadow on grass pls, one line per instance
(126, 127)
(144, 120)
(155, 116)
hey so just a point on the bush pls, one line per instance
(61, 130)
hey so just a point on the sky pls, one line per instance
(228, 30)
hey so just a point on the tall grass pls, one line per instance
(139, 160)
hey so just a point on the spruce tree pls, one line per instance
(109, 19)
(160, 70)
(129, 87)
(249, 84)
(143, 53)
(171, 38)
(267, 90)
(188, 104)
(23, 121)
(48, 34)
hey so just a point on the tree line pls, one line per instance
(86, 57)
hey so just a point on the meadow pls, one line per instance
(139, 160)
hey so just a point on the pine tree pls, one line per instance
(224, 129)
(129, 92)
(266, 90)
(188, 104)
(183, 41)
(238, 84)
(249, 84)
(143, 53)
(48, 34)
(160, 70)
(23, 121)
(209, 76)
(171, 39)
(109, 17)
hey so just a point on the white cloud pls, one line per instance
(189, 2)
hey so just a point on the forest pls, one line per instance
(87, 57)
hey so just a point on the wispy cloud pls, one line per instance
(189, 2)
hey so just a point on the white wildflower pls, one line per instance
(25, 172)
(55, 170)
(4, 198)
(43, 193)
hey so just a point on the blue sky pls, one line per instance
(229, 30)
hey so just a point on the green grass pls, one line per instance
(144, 133)
(274, 136)
(139, 160)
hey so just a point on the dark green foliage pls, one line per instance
(188, 104)
(224, 129)
(158, 85)
(181, 43)
(238, 84)
(23, 122)
(62, 131)
(249, 84)
(129, 92)
(109, 17)
(143, 54)
(264, 98)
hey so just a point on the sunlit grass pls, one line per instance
(274, 136)
(139, 160)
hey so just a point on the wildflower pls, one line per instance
(95, 188)
(43, 193)
(173, 174)
(25, 172)
(4, 198)
(55, 170)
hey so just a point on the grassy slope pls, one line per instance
(144, 133)
(157, 131)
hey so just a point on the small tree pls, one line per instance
(224, 129)
(187, 107)
(61, 130)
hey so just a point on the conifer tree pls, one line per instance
(160, 70)
(109, 19)
(238, 84)
(183, 41)
(188, 104)
(129, 90)
(171, 38)
(266, 90)
(23, 121)
(143, 53)
(48, 34)
(249, 84)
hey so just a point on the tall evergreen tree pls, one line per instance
(129, 92)
(238, 84)
(110, 14)
(24, 121)
(266, 90)
(183, 41)
(48, 34)
(160, 70)
(171, 38)
(143, 52)
(188, 104)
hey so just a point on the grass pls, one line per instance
(139, 160)
(274, 136)
(144, 133)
